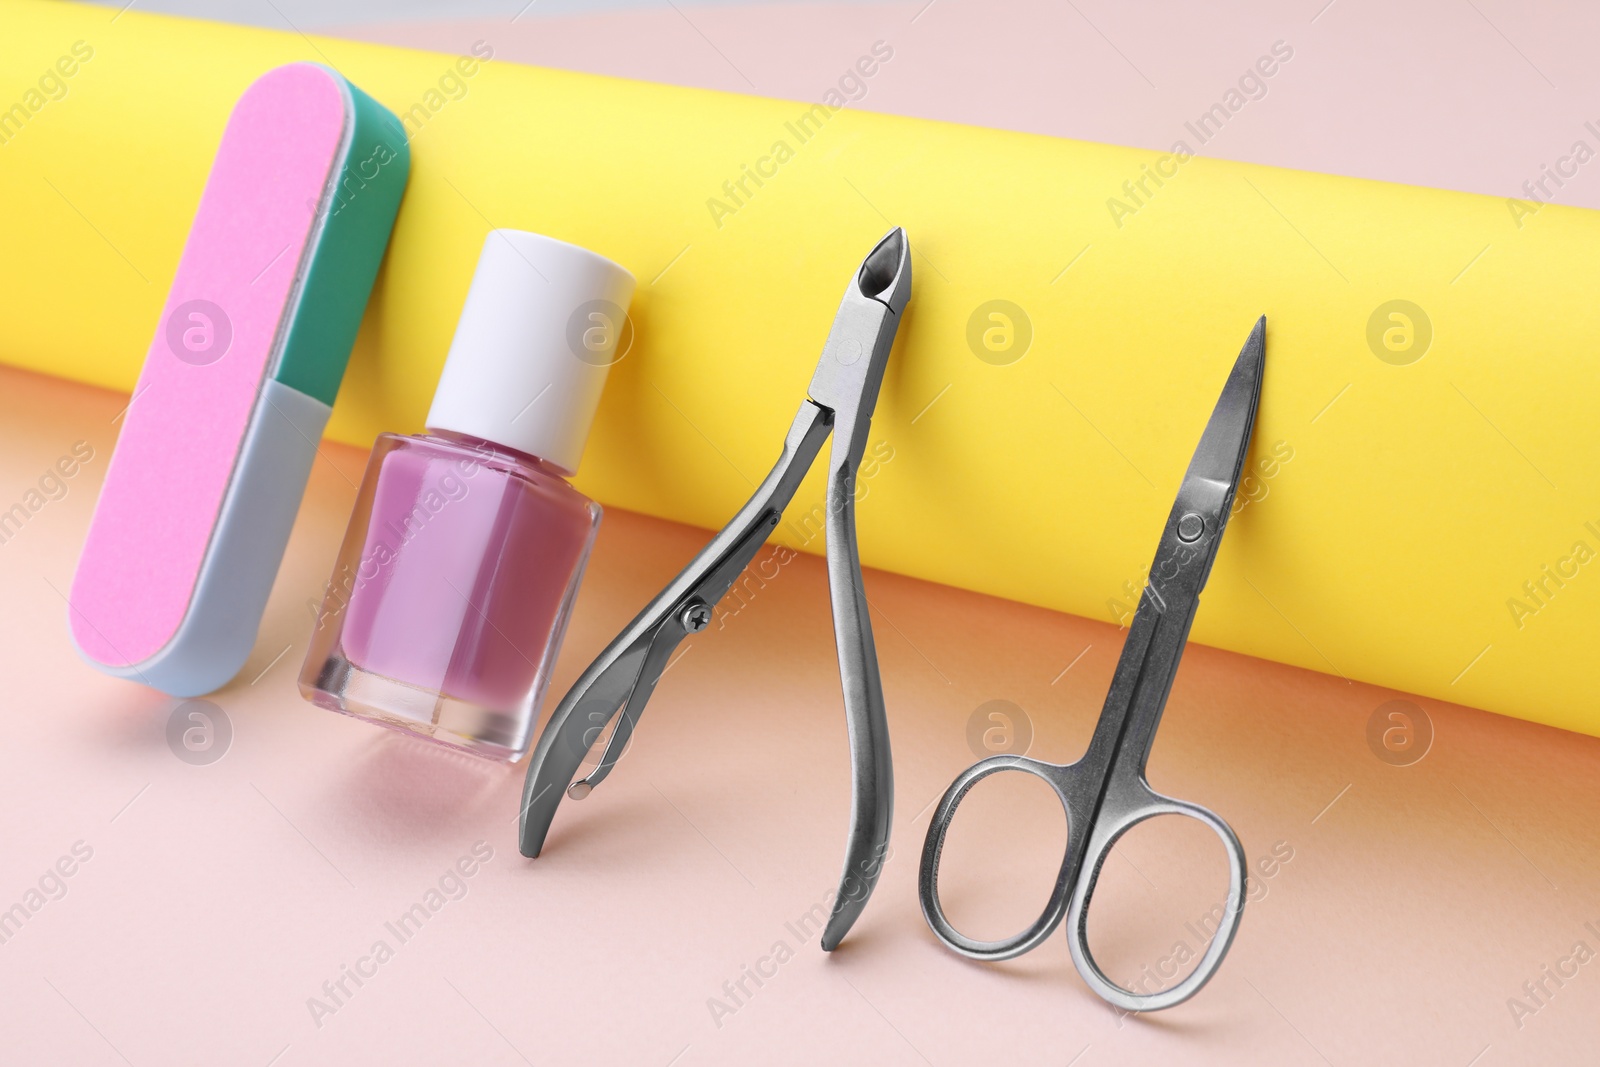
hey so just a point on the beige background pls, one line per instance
(219, 898)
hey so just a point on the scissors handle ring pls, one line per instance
(1106, 834)
(933, 848)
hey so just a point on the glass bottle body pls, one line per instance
(451, 593)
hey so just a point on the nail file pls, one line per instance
(217, 442)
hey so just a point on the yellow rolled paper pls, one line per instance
(1421, 509)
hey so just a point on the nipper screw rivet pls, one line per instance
(695, 616)
(1190, 527)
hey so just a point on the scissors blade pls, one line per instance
(1220, 455)
(1194, 529)
(1160, 628)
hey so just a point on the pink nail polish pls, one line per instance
(457, 575)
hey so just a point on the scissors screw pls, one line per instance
(695, 616)
(1190, 527)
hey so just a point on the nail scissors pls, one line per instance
(840, 400)
(1105, 793)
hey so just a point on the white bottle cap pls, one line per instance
(538, 333)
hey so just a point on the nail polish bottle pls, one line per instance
(452, 589)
